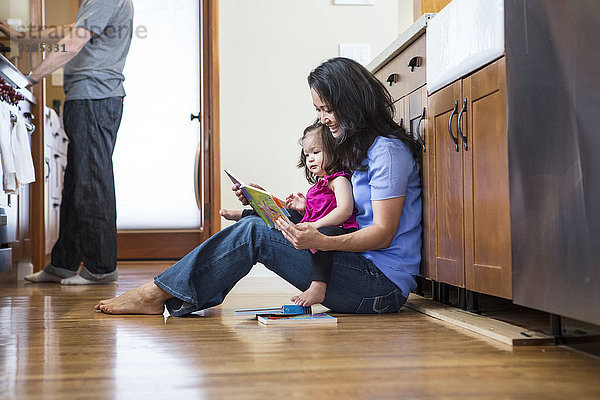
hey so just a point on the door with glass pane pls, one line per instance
(162, 158)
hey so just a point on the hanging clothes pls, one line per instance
(15, 151)
(9, 176)
(21, 150)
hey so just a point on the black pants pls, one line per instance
(88, 216)
(322, 260)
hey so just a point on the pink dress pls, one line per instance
(320, 201)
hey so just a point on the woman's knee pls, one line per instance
(252, 229)
(251, 223)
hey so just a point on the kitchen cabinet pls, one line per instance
(33, 202)
(15, 217)
(406, 71)
(55, 162)
(404, 77)
(469, 222)
(21, 245)
(411, 114)
(416, 113)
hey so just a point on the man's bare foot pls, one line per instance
(147, 299)
(315, 294)
(232, 215)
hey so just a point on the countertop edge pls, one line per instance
(400, 43)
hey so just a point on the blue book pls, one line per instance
(291, 309)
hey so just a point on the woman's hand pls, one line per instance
(303, 235)
(296, 202)
(240, 195)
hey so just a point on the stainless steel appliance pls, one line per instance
(553, 57)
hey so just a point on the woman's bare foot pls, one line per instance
(315, 294)
(147, 299)
(232, 215)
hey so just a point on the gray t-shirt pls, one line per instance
(97, 71)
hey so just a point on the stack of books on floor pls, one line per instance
(287, 315)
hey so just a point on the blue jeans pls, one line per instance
(203, 278)
(88, 217)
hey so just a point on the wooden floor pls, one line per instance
(54, 346)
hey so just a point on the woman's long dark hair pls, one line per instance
(328, 146)
(362, 106)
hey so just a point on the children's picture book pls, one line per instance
(292, 309)
(267, 206)
(321, 318)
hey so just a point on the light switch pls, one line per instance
(360, 52)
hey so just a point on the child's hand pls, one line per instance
(240, 195)
(296, 202)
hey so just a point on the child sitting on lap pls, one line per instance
(328, 205)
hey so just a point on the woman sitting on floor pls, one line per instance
(373, 267)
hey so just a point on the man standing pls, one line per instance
(93, 51)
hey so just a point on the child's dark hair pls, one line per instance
(328, 147)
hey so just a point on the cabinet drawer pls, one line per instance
(406, 80)
(416, 78)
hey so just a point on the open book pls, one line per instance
(267, 206)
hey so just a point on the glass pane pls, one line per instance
(156, 144)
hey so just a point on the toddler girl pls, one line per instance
(328, 204)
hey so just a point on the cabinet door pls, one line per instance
(486, 201)
(56, 176)
(48, 215)
(416, 113)
(53, 167)
(400, 113)
(446, 166)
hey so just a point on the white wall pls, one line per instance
(405, 14)
(267, 49)
(16, 9)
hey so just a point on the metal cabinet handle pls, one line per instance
(414, 62)
(454, 111)
(47, 161)
(192, 117)
(460, 133)
(198, 176)
(393, 78)
(420, 137)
